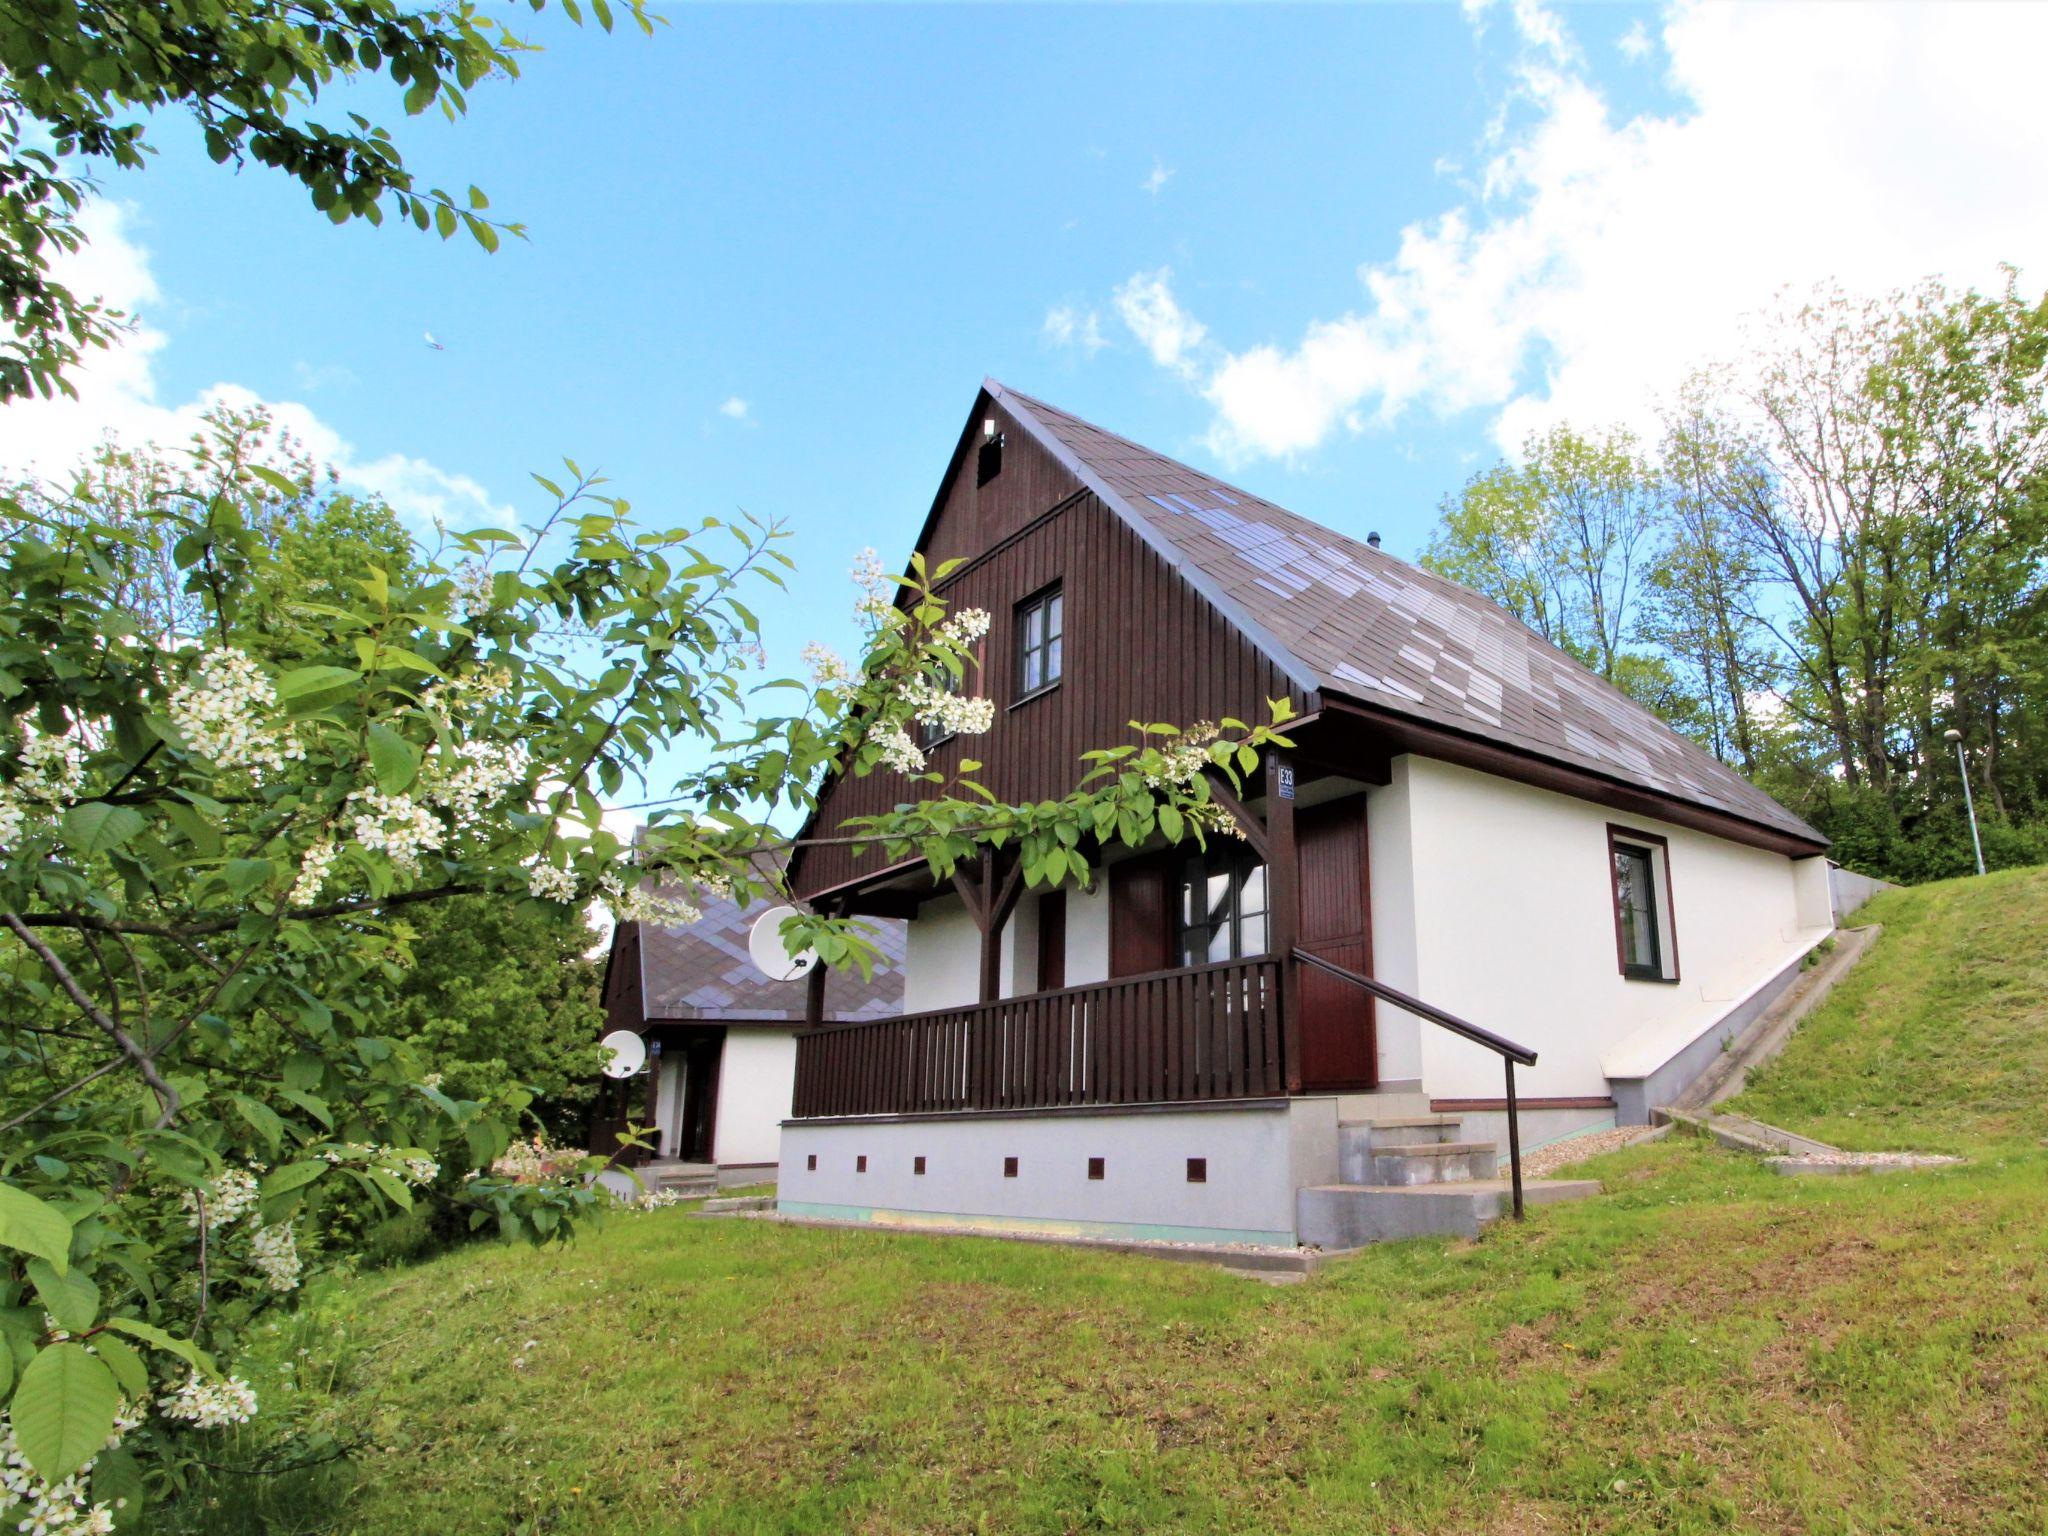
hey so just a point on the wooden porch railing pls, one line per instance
(1207, 1032)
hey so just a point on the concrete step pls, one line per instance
(1410, 1130)
(1449, 1162)
(727, 1205)
(690, 1180)
(1338, 1216)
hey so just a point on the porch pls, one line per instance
(1189, 1035)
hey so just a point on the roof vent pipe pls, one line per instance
(1373, 539)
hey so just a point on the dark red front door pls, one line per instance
(1338, 1050)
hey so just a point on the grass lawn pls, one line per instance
(1705, 1347)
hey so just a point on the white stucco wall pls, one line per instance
(755, 1081)
(1088, 933)
(941, 957)
(1390, 856)
(1513, 915)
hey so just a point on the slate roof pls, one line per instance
(701, 971)
(1344, 618)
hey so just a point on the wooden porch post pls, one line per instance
(1283, 903)
(990, 896)
(814, 995)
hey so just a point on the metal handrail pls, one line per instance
(1509, 1052)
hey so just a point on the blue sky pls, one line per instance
(1341, 254)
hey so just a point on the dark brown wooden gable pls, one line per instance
(1141, 644)
(969, 519)
(624, 1005)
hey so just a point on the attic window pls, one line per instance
(989, 462)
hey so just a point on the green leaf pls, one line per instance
(63, 1410)
(117, 1483)
(152, 1335)
(291, 1176)
(262, 1119)
(70, 1297)
(126, 1365)
(393, 1187)
(245, 875)
(394, 760)
(29, 1225)
(95, 826)
(303, 682)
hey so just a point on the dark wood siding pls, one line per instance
(1140, 645)
(1338, 1050)
(1140, 917)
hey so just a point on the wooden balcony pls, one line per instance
(1207, 1032)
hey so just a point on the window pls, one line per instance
(1040, 627)
(1222, 912)
(988, 463)
(1643, 938)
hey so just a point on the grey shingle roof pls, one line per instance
(1347, 619)
(702, 972)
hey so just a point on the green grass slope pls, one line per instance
(1707, 1347)
(1938, 1040)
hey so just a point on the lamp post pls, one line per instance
(1969, 801)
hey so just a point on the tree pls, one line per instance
(504, 992)
(204, 856)
(1560, 538)
(79, 78)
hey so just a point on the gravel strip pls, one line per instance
(1546, 1160)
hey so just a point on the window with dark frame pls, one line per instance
(1041, 628)
(1222, 909)
(1638, 911)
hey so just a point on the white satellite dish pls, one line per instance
(771, 958)
(628, 1053)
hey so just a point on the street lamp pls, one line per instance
(1969, 801)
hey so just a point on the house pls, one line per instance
(721, 1037)
(1480, 879)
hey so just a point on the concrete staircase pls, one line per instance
(691, 1181)
(1413, 1175)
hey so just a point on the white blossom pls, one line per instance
(476, 776)
(51, 776)
(313, 872)
(828, 668)
(227, 710)
(226, 1200)
(964, 628)
(1185, 758)
(547, 882)
(397, 826)
(210, 1404)
(899, 751)
(644, 904)
(275, 1253)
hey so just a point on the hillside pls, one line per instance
(1707, 1347)
(1938, 1040)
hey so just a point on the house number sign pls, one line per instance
(1286, 783)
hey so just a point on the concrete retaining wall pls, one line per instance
(1255, 1155)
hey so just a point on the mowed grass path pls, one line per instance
(1707, 1347)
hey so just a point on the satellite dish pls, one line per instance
(771, 958)
(628, 1053)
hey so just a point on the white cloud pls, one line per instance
(733, 408)
(1173, 336)
(118, 396)
(1080, 329)
(1595, 259)
(1635, 44)
(1160, 175)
